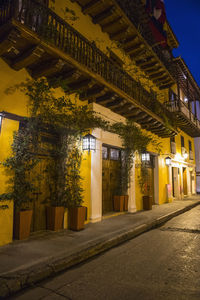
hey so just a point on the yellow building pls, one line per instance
(107, 51)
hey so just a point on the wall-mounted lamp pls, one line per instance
(89, 142)
(185, 155)
(168, 161)
(145, 157)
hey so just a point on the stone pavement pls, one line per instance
(45, 254)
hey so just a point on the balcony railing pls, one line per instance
(54, 30)
(133, 10)
(181, 107)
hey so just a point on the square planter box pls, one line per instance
(118, 203)
(55, 217)
(147, 202)
(77, 218)
(22, 225)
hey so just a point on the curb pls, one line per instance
(13, 282)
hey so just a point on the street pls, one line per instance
(161, 264)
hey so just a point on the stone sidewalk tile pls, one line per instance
(24, 263)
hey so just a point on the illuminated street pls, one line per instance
(161, 264)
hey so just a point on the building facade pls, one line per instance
(114, 53)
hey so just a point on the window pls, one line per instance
(104, 152)
(182, 141)
(190, 146)
(172, 139)
(114, 154)
(173, 145)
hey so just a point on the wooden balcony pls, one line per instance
(185, 119)
(34, 37)
(126, 22)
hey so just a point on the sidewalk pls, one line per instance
(44, 254)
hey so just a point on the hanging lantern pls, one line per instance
(168, 161)
(145, 157)
(89, 142)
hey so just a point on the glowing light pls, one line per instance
(185, 155)
(145, 156)
(168, 161)
(89, 142)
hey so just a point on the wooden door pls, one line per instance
(150, 183)
(110, 178)
(184, 181)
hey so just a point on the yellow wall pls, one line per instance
(6, 216)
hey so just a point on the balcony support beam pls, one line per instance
(27, 58)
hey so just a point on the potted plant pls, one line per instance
(121, 199)
(146, 198)
(74, 191)
(55, 174)
(22, 180)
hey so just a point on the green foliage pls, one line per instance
(19, 167)
(67, 121)
(133, 140)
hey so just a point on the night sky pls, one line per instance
(184, 18)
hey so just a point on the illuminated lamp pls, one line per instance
(145, 157)
(89, 142)
(168, 161)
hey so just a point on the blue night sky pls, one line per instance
(184, 18)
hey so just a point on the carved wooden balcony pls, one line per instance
(34, 37)
(126, 21)
(185, 119)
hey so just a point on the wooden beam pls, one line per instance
(9, 40)
(156, 75)
(119, 33)
(166, 86)
(78, 86)
(92, 93)
(27, 58)
(88, 8)
(48, 68)
(134, 48)
(123, 109)
(65, 78)
(130, 40)
(142, 62)
(149, 66)
(108, 97)
(117, 103)
(111, 24)
(104, 15)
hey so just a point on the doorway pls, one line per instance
(185, 192)
(111, 175)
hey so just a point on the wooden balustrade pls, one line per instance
(54, 30)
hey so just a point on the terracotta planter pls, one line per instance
(125, 202)
(118, 203)
(22, 225)
(147, 202)
(55, 217)
(77, 218)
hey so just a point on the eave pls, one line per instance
(114, 21)
(78, 64)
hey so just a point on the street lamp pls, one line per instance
(145, 157)
(168, 161)
(89, 142)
